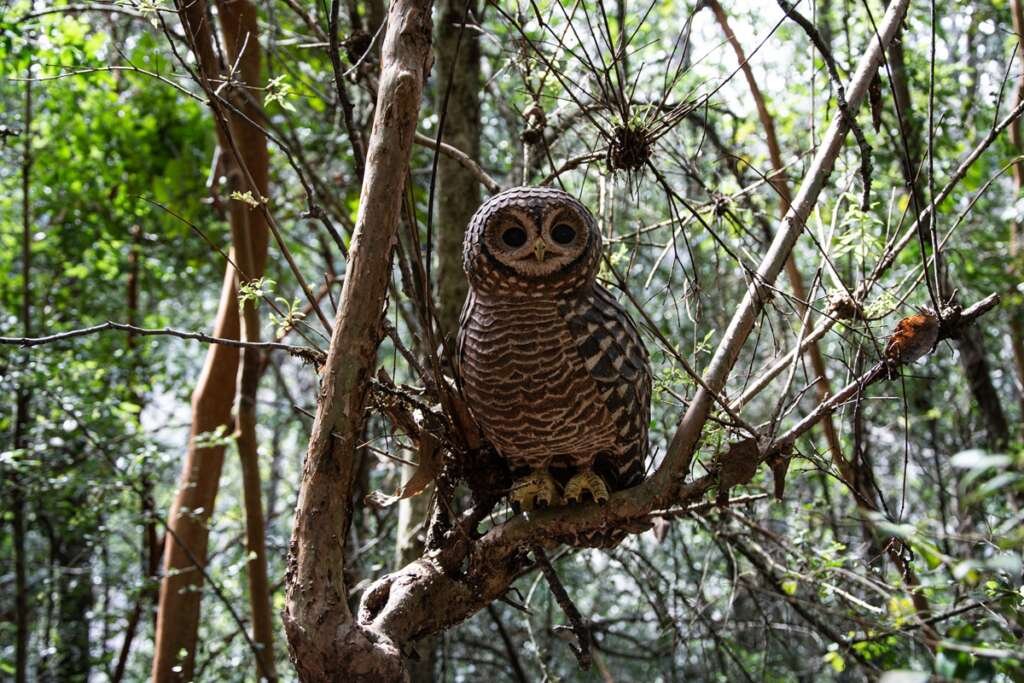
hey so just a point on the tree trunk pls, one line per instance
(22, 400)
(74, 587)
(249, 234)
(214, 396)
(1017, 312)
(180, 591)
(458, 190)
(326, 643)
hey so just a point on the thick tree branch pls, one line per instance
(326, 643)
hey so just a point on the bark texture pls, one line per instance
(72, 553)
(326, 643)
(214, 395)
(249, 235)
(458, 190)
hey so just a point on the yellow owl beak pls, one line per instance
(539, 249)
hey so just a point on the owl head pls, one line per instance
(532, 242)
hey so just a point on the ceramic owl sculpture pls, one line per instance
(552, 368)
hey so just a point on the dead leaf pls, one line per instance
(780, 466)
(427, 467)
(875, 99)
(738, 464)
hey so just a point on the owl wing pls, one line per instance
(460, 337)
(615, 356)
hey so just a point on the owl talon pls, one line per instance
(586, 483)
(535, 491)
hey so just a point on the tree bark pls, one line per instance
(214, 395)
(75, 601)
(458, 189)
(180, 591)
(326, 643)
(250, 235)
(1017, 312)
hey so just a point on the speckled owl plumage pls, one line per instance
(552, 368)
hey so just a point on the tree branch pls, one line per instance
(572, 613)
(304, 352)
(463, 160)
(952, 323)
(325, 642)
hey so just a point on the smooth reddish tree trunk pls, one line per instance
(181, 589)
(214, 395)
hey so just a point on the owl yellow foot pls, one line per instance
(536, 490)
(586, 483)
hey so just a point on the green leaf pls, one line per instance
(836, 661)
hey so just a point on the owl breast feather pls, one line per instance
(537, 395)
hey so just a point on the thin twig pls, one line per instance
(304, 352)
(848, 116)
(462, 159)
(576, 621)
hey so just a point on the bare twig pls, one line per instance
(304, 352)
(844, 107)
(463, 160)
(887, 259)
(576, 621)
(952, 323)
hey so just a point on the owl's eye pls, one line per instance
(514, 236)
(563, 234)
